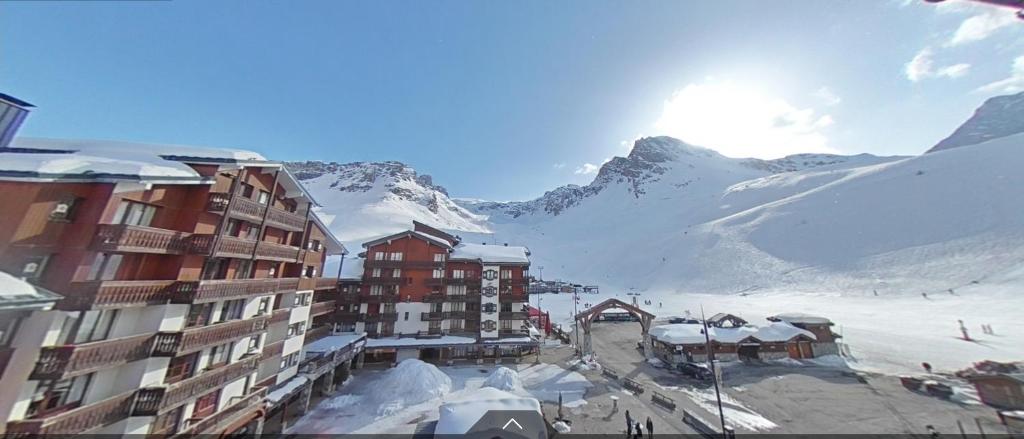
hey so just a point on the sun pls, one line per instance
(738, 120)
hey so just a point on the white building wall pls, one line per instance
(414, 324)
(17, 394)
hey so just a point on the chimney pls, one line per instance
(12, 113)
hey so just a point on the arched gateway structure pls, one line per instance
(585, 318)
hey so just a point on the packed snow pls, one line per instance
(290, 386)
(504, 378)
(356, 410)
(491, 253)
(736, 413)
(688, 333)
(409, 383)
(457, 417)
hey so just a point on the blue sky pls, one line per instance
(504, 100)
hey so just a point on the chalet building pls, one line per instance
(423, 293)
(24, 321)
(190, 283)
(686, 342)
(1000, 390)
(825, 342)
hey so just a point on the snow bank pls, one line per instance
(457, 417)
(736, 413)
(504, 378)
(561, 427)
(409, 383)
(292, 385)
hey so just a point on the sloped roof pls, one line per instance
(798, 317)
(15, 293)
(409, 233)
(491, 253)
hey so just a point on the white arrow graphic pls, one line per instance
(511, 421)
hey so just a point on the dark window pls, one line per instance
(232, 310)
(134, 213)
(105, 266)
(58, 395)
(180, 368)
(247, 190)
(206, 405)
(199, 315)
(34, 267)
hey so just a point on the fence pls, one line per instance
(610, 373)
(632, 385)
(663, 400)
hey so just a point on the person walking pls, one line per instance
(639, 431)
(650, 427)
(629, 424)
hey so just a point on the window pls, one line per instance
(489, 308)
(64, 210)
(34, 267)
(456, 290)
(458, 274)
(406, 318)
(458, 306)
(526, 273)
(434, 325)
(53, 395)
(490, 274)
(215, 268)
(244, 270)
(506, 307)
(456, 324)
(234, 227)
(180, 368)
(166, 424)
(206, 405)
(199, 315)
(396, 256)
(263, 198)
(253, 344)
(389, 308)
(289, 360)
(310, 271)
(264, 306)
(247, 190)
(297, 328)
(375, 272)
(302, 299)
(219, 355)
(134, 213)
(438, 273)
(436, 307)
(232, 310)
(104, 267)
(397, 272)
(87, 326)
(315, 245)
(376, 290)
(438, 257)
(378, 256)
(506, 324)
(506, 274)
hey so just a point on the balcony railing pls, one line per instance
(273, 349)
(59, 362)
(423, 264)
(317, 333)
(119, 293)
(462, 281)
(280, 315)
(235, 247)
(207, 381)
(348, 297)
(436, 315)
(433, 282)
(326, 283)
(191, 340)
(382, 264)
(378, 317)
(225, 289)
(386, 280)
(277, 252)
(285, 220)
(140, 239)
(79, 420)
(346, 316)
(448, 315)
(235, 411)
(513, 315)
(508, 297)
(321, 308)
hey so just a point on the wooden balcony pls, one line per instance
(457, 315)
(382, 264)
(423, 264)
(433, 282)
(280, 315)
(386, 280)
(58, 362)
(507, 297)
(285, 220)
(139, 239)
(316, 333)
(462, 281)
(194, 339)
(238, 410)
(348, 297)
(326, 283)
(378, 298)
(272, 350)
(379, 317)
(76, 421)
(226, 289)
(235, 247)
(427, 316)
(468, 297)
(346, 316)
(321, 308)
(206, 382)
(513, 333)
(277, 252)
(513, 315)
(119, 293)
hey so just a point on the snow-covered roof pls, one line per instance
(394, 342)
(352, 268)
(183, 151)
(688, 333)
(457, 417)
(332, 343)
(424, 236)
(491, 253)
(333, 245)
(797, 317)
(288, 388)
(16, 293)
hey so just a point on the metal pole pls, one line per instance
(576, 322)
(977, 421)
(959, 425)
(714, 375)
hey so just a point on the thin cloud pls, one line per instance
(981, 26)
(558, 165)
(827, 96)
(1012, 84)
(587, 168)
(922, 66)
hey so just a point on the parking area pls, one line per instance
(772, 397)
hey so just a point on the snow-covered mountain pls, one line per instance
(368, 199)
(677, 217)
(997, 117)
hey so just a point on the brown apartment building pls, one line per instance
(190, 280)
(425, 294)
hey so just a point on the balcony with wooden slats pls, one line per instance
(348, 297)
(507, 297)
(280, 315)
(235, 247)
(513, 315)
(316, 333)
(243, 208)
(285, 220)
(58, 362)
(206, 382)
(277, 252)
(462, 281)
(321, 308)
(433, 282)
(379, 317)
(238, 410)
(326, 283)
(379, 298)
(76, 421)
(346, 316)
(428, 316)
(382, 264)
(119, 293)
(226, 289)
(194, 339)
(140, 239)
(457, 315)
(380, 280)
(273, 349)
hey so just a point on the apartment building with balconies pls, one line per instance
(190, 280)
(424, 293)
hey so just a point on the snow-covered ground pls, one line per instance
(393, 401)
(890, 334)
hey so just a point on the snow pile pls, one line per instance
(411, 382)
(736, 413)
(547, 381)
(561, 427)
(504, 378)
(656, 362)
(457, 417)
